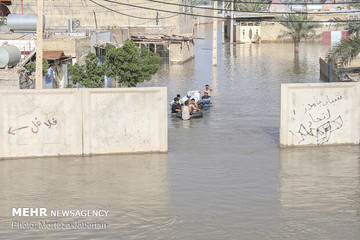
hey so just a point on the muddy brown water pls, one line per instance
(224, 176)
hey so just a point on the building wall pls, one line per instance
(202, 11)
(65, 44)
(182, 52)
(82, 121)
(77, 47)
(58, 12)
(245, 33)
(319, 114)
(82, 48)
(273, 31)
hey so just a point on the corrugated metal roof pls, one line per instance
(53, 55)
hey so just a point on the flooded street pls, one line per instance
(224, 176)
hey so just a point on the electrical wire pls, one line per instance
(241, 11)
(284, 3)
(217, 17)
(128, 15)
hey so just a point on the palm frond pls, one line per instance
(297, 26)
(346, 51)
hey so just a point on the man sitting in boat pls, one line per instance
(176, 107)
(180, 100)
(185, 111)
(206, 100)
(193, 106)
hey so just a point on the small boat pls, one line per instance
(198, 114)
(190, 94)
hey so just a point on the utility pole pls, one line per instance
(95, 20)
(232, 22)
(223, 22)
(39, 45)
(214, 58)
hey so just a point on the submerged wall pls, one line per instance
(82, 121)
(320, 114)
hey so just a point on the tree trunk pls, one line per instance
(296, 46)
(296, 69)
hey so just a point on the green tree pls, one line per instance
(31, 66)
(90, 75)
(297, 28)
(130, 65)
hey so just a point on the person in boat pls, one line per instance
(207, 89)
(193, 106)
(176, 106)
(185, 111)
(206, 100)
(180, 100)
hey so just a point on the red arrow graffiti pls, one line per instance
(13, 131)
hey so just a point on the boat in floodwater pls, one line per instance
(198, 114)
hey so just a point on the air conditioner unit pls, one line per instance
(72, 24)
(353, 16)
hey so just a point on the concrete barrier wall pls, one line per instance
(40, 123)
(82, 121)
(125, 120)
(320, 114)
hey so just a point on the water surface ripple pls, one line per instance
(224, 176)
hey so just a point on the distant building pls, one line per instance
(61, 13)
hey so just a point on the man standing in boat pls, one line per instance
(207, 89)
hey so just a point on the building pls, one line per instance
(101, 14)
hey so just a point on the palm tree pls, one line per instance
(246, 5)
(297, 28)
(346, 51)
(353, 27)
(250, 5)
(349, 49)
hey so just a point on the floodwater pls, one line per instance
(224, 176)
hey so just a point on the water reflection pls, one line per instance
(319, 192)
(134, 188)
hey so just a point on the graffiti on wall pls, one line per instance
(35, 126)
(317, 118)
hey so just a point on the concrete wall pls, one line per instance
(82, 121)
(40, 123)
(320, 114)
(9, 79)
(125, 120)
